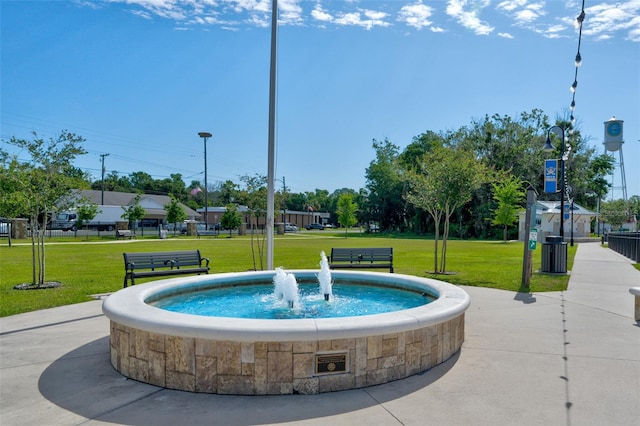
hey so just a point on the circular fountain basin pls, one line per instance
(265, 356)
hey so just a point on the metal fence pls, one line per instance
(625, 243)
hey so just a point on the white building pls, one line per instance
(548, 220)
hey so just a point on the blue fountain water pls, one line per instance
(260, 301)
(286, 299)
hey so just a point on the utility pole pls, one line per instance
(102, 180)
(284, 200)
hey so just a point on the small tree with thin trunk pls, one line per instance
(175, 212)
(231, 218)
(509, 195)
(346, 211)
(86, 212)
(134, 212)
(443, 180)
(41, 186)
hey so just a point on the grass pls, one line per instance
(96, 266)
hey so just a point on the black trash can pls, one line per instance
(554, 255)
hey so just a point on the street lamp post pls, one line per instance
(566, 148)
(572, 223)
(205, 136)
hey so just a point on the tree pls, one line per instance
(509, 194)
(86, 212)
(231, 218)
(386, 184)
(175, 212)
(615, 213)
(443, 181)
(634, 210)
(134, 212)
(41, 186)
(254, 196)
(346, 212)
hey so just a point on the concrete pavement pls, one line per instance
(560, 358)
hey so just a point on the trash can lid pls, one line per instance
(553, 239)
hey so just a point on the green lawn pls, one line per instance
(96, 266)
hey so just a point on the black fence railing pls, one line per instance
(626, 243)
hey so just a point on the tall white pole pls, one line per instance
(272, 135)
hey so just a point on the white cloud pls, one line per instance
(290, 12)
(467, 14)
(512, 5)
(416, 15)
(355, 19)
(604, 20)
(523, 12)
(320, 14)
(505, 35)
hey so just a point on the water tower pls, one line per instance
(613, 142)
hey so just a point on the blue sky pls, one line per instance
(140, 78)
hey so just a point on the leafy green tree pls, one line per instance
(346, 212)
(133, 213)
(600, 168)
(443, 181)
(634, 210)
(174, 185)
(86, 213)
(296, 201)
(228, 192)
(615, 213)
(231, 218)
(114, 182)
(175, 212)
(386, 185)
(332, 203)
(142, 182)
(41, 186)
(509, 194)
(254, 196)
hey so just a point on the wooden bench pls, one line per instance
(362, 258)
(124, 233)
(168, 263)
(636, 292)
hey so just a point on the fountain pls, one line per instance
(291, 290)
(285, 287)
(278, 283)
(244, 356)
(324, 277)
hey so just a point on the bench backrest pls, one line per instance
(384, 254)
(165, 259)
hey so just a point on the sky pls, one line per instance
(138, 79)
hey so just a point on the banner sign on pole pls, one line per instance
(533, 238)
(551, 176)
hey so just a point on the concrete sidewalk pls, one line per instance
(561, 358)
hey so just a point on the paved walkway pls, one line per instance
(561, 358)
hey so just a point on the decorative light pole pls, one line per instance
(205, 136)
(566, 149)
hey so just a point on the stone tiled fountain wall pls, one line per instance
(263, 368)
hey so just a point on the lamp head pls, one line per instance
(548, 147)
(204, 134)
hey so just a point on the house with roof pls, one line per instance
(152, 203)
(547, 220)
